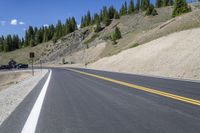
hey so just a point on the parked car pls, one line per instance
(21, 66)
(3, 67)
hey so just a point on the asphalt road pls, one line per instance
(80, 103)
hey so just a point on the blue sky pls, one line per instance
(17, 15)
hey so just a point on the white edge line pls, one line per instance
(31, 122)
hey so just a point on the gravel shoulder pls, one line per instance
(12, 95)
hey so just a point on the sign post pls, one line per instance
(32, 55)
(41, 65)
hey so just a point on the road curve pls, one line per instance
(77, 102)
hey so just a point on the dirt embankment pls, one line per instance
(176, 55)
(9, 78)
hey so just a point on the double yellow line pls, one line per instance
(146, 89)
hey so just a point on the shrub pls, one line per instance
(63, 61)
(180, 7)
(116, 35)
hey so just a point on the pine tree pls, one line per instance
(106, 18)
(59, 30)
(1, 43)
(116, 15)
(180, 7)
(126, 8)
(131, 7)
(74, 24)
(170, 3)
(98, 26)
(159, 3)
(88, 18)
(45, 35)
(151, 11)
(145, 4)
(82, 22)
(137, 8)
(111, 12)
(32, 42)
(122, 10)
(101, 16)
(116, 35)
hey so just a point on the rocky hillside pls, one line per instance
(84, 46)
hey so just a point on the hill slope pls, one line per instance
(86, 46)
(175, 55)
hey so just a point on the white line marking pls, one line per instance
(33, 117)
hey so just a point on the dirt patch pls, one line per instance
(9, 78)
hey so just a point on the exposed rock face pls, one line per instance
(66, 45)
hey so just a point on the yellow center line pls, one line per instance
(146, 89)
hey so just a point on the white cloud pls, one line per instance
(2, 22)
(21, 23)
(45, 25)
(13, 22)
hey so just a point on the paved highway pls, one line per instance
(89, 101)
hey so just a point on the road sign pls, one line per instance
(32, 54)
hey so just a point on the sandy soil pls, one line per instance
(176, 55)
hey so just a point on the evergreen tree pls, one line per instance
(96, 18)
(88, 18)
(145, 4)
(1, 43)
(111, 12)
(137, 8)
(82, 22)
(106, 18)
(32, 42)
(116, 15)
(101, 16)
(131, 7)
(59, 30)
(126, 8)
(151, 11)
(26, 39)
(122, 10)
(116, 35)
(98, 26)
(180, 7)
(159, 3)
(170, 3)
(45, 35)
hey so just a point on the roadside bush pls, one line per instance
(63, 61)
